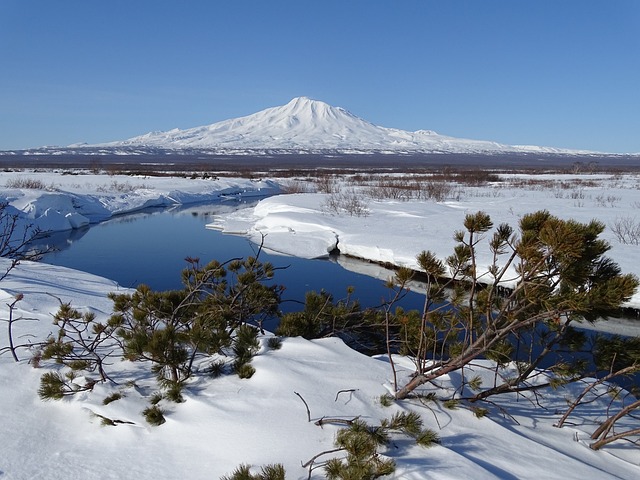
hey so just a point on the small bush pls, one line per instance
(52, 386)
(607, 201)
(326, 184)
(245, 370)
(350, 202)
(154, 415)
(122, 187)
(477, 177)
(297, 186)
(22, 182)
(626, 230)
(274, 343)
(174, 393)
(269, 472)
(437, 191)
(216, 369)
(112, 398)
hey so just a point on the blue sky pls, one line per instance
(545, 72)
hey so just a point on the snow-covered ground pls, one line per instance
(62, 201)
(395, 231)
(228, 421)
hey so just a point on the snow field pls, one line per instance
(228, 421)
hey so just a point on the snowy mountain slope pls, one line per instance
(305, 125)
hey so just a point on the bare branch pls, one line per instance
(306, 406)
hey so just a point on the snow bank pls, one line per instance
(228, 421)
(396, 231)
(64, 202)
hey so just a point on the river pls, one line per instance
(150, 247)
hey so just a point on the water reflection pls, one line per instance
(375, 270)
(58, 240)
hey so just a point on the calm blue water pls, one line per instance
(150, 248)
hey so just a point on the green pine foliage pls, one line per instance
(81, 343)
(245, 345)
(154, 415)
(216, 368)
(385, 400)
(562, 276)
(173, 392)
(52, 386)
(410, 424)
(220, 310)
(217, 314)
(323, 316)
(269, 472)
(558, 276)
(112, 398)
(359, 446)
(361, 443)
(274, 343)
(615, 357)
(427, 438)
(244, 370)
(480, 412)
(615, 353)
(313, 322)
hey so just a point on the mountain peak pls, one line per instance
(307, 125)
(310, 109)
(303, 102)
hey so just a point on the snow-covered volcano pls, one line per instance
(305, 126)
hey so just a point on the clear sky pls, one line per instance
(561, 73)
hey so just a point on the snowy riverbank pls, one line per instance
(56, 202)
(392, 231)
(395, 231)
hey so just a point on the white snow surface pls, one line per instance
(395, 231)
(228, 421)
(65, 201)
(306, 125)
